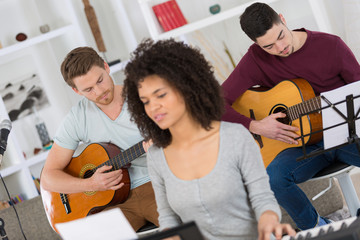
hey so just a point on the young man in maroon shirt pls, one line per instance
(278, 53)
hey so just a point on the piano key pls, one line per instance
(343, 226)
(300, 237)
(321, 232)
(325, 230)
(330, 229)
(308, 236)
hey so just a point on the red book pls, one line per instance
(178, 14)
(170, 19)
(158, 10)
(171, 14)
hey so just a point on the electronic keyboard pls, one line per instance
(347, 229)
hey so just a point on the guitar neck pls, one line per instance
(124, 158)
(296, 111)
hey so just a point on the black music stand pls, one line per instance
(186, 231)
(344, 179)
(349, 120)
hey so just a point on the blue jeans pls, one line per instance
(285, 172)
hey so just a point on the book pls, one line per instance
(37, 184)
(160, 15)
(169, 15)
(177, 12)
(18, 199)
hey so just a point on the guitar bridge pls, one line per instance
(65, 202)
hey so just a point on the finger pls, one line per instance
(117, 186)
(289, 127)
(261, 235)
(278, 232)
(115, 179)
(266, 235)
(112, 178)
(112, 174)
(287, 139)
(118, 177)
(146, 145)
(289, 136)
(279, 115)
(289, 230)
(104, 169)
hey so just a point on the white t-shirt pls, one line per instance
(86, 123)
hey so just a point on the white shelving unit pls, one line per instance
(118, 67)
(156, 31)
(211, 32)
(40, 53)
(38, 158)
(35, 40)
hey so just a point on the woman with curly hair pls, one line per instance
(202, 169)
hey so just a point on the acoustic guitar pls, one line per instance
(60, 207)
(295, 98)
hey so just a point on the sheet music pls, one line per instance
(109, 225)
(338, 135)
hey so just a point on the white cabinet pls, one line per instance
(39, 55)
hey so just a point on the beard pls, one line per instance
(109, 96)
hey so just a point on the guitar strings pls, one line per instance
(123, 157)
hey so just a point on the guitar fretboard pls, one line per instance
(123, 158)
(294, 112)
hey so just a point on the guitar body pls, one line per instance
(258, 103)
(86, 203)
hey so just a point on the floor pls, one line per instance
(344, 213)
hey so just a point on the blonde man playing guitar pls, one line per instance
(280, 54)
(100, 117)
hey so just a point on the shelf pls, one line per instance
(40, 157)
(190, 27)
(10, 170)
(118, 67)
(40, 53)
(35, 40)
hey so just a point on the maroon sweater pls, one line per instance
(325, 61)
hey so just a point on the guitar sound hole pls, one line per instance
(88, 174)
(284, 120)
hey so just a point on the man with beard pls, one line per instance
(101, 116)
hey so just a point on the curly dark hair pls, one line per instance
(257, 19)
(185, 69)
